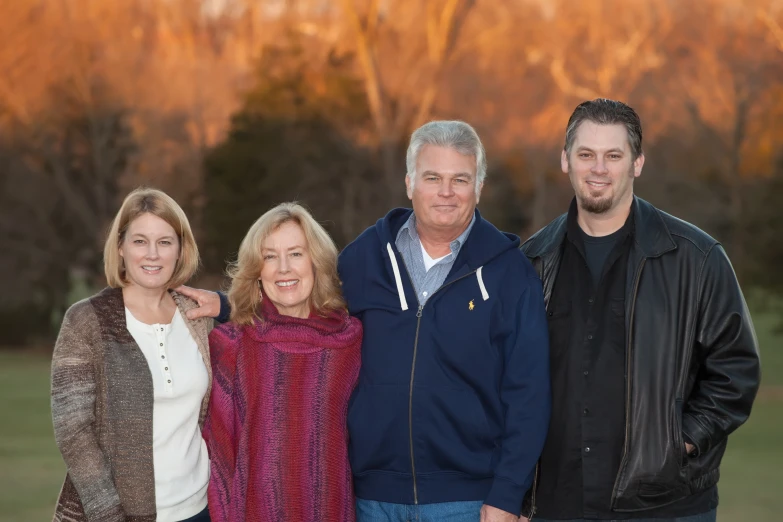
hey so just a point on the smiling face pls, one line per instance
(150, 250)
(444, 193)
(287, 274)
(601, 167)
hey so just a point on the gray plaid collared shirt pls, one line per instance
(425, 282)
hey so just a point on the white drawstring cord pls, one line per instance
(397, 278)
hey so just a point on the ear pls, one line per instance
(408, 187)
(637, 166)
(478, 192)
(564, 161)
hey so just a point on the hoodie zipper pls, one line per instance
(410, 404)
(628, 369)
(413, 371)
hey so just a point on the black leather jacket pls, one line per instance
(691, 351)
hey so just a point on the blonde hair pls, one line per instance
(150, 201)
(244, 294)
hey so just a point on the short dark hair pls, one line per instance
(606, 112)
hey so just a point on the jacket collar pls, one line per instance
(651, 235)
(483, 243)
(109, 306)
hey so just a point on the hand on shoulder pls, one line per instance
(208, 302)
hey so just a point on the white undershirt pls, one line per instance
(180, 380)
(428, 261)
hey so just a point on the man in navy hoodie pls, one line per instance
(452, 406)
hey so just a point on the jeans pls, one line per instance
(201, 517)
(709, 516)
(373, 511)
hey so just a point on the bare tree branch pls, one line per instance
(774, 27)
(442, 28)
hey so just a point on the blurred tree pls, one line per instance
(728, 82)
(153, 86)
(59, 191)
(296, 138)
(762, 229)
(403, 50)
(589, 58)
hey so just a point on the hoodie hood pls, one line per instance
(484, 243)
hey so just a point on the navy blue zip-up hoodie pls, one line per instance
(453, 398)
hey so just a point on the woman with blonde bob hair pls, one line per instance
(285, 366)
(131, 378)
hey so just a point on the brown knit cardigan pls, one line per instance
(102, 400)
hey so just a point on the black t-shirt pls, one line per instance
(597, 249)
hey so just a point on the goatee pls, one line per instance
(595, 205)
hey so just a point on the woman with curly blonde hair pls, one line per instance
(285, 366)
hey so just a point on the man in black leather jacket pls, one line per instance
(654, 360)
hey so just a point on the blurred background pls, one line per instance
(232, 106)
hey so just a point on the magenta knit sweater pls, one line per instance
(276, 425)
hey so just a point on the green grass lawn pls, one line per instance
(771, 347)
(750, 484)
(31, 470)
(751, 481)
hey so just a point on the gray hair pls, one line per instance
(453, 134)
(606, 112)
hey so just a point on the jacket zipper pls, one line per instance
(534, 488)
(413, 371)
(410, 404)
(533, 494)
(628, 383)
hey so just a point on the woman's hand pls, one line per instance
(208, 302)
